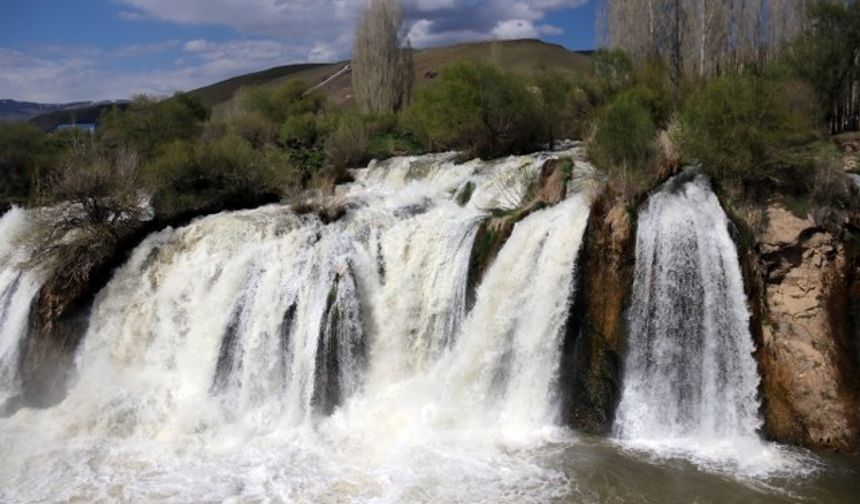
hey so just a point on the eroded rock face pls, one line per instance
(591, 357)
(806, 351)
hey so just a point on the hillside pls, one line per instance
(88, 113)
(11, 110)
(334, 80)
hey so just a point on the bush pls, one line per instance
(300, 131)
(612, 71)
(148, 123)
(227, 172)
(84, 209)
(24, 152)
(278, 104)
(477, 108)
(625, 132)
(558, 116)
(255, 128)
(741, 128)
(393, 143)
(348, 143)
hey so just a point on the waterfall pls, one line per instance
(337, 353)
(690, 378)
(18, 287)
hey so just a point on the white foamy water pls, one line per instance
(18, 287)
(266, 356)
(690, 378)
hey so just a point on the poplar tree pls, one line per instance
(703, 37)
(382, 68)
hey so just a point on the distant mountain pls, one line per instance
(86, 113)
(11, 110)
(334, 80)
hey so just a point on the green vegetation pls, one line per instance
(147, 123)
(84, 208)
(759, 130)
(465, 194)
(193, 176)
(828, 58)
(477, 108)
(23, 152)
(625, 131)
(741, 127)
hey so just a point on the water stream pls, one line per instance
(266, 356)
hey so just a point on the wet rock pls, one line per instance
(596, 329)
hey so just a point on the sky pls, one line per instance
(54, 51)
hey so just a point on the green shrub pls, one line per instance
(625, 132)
(148, 123)
(556, 100)
(300, 130)
(477, 108)
(278, 104)
(612, 71)
(83, 209)
(189, 176)
(741, 128)
(348, 143)
(255, 128)
(828, 58)
(394, 143)
(24, 152)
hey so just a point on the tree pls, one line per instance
(479, 108)
(382, 68)
(24, 151)
(555, 94)
(148, 123)
(703, 37)
(741, 126)
(828, 57)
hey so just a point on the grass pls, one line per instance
(519, 56)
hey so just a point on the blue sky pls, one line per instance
(62, 50)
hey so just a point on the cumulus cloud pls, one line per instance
(130, 15)
(311, 22)
(85, 74)
(269, 33)
(515, 29)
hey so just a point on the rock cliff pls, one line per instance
(807, 351)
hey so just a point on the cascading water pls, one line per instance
(690, 378)
(18, 287)
(265, 354)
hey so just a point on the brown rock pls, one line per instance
(552, 183)
(807, 381)
(784, 228)
(591, 358)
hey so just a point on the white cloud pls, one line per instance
(197, 45)
(330, 22)
(515, 29)
(53, 76)
(548, 29)
(130, 15)
(271, 33)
